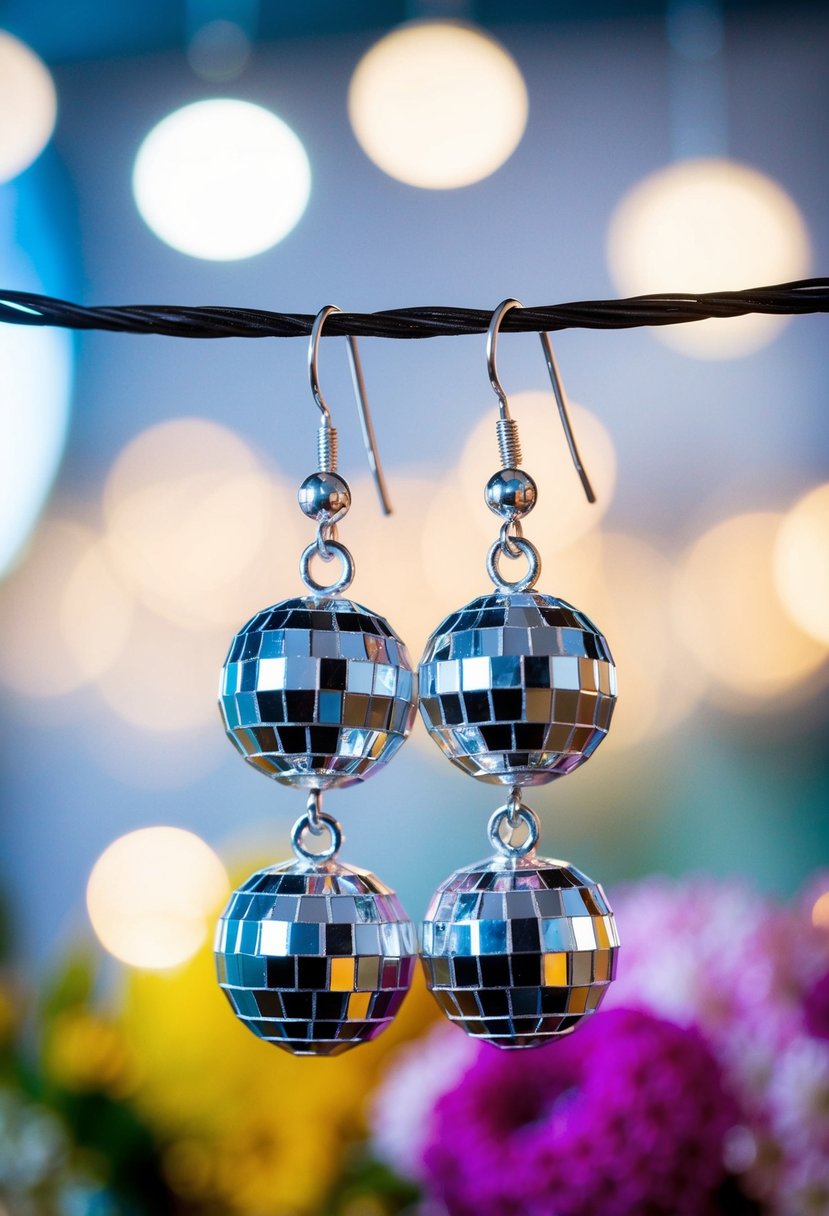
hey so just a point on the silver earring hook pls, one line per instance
(491, 346)
(327, 432)
(555, 380)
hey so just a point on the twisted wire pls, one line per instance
(803, 296)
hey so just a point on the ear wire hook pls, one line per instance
(327, 445)
(508, 442)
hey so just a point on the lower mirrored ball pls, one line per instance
(517, 950)
(315, 957)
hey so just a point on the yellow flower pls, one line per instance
(83, 1052)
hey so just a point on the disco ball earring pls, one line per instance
(518, 688)
(317, 692)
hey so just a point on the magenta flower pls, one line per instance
(816, 1008)
(628, 1116)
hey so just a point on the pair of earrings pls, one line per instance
(516, 688)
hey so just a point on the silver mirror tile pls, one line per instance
(317, 692)
(517, 688)
(518, 951)
(314, 958)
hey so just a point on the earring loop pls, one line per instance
(346, 574)
(491, 347)
(529, 579)
(327, 436)
(304, 827)
(509, 444)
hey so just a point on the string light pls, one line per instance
(438, 105)
(704, 222)
(221, 179)
(150, 895)
(28, 106)
(801, 563)
(732, 621)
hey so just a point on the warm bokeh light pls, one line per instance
(166, 678)
(221, 179)
(150, 895)
(728, 612)
(801, 563)
(820, 911)
(64, 616)
(438, 105)
(28, 106)
(196, 525)
(623, 584)
(36, 374)
(708, 225)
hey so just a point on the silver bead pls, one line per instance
(511, 493)
(324, 496)
(517, 688)
(314, 958)
(517, 950)
(317, 692)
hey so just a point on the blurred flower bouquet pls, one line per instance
(702, 1088)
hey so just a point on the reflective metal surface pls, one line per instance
(317, 692)
(510, 493)
(314, 958)
(517, 950)
(517, 688)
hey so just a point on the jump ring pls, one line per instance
(326, 533)
(514, 805)
(345, 579)
(511, 530)
(303, 825)
(313, 811)
(507, 848)
(528, 549)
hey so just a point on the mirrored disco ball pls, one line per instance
(317, 692)
(517, 688)
(315, 957)
(518, 951)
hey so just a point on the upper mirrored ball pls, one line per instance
(317, 692)
(517, 688)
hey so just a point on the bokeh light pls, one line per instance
(221, 179)
(64, 615)
(438, 104)
(708, 225)
(197, 526)
(623, 584)
(165, 678)
(219, 50)
(28, 106)
(150, 895)
(801, 563)
(820, 911)
(733, 622)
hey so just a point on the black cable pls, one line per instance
(804, 296)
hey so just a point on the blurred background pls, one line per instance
(287, 156)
